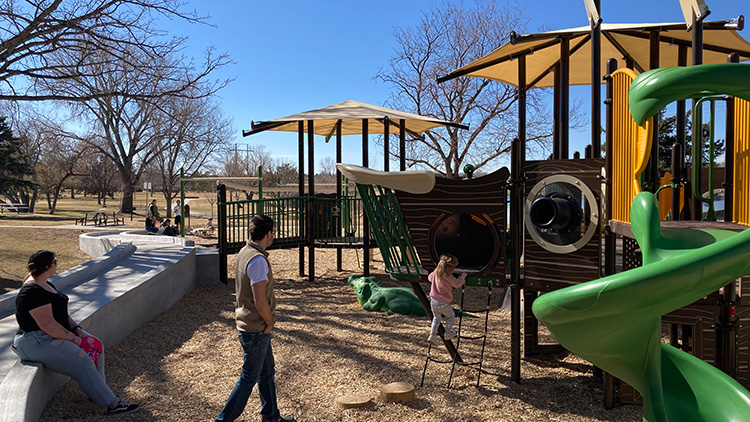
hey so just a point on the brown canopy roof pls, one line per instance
(619, 41)
(351, 113)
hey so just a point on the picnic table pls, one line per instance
(13, 206)
(100, 218)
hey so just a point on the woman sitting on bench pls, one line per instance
(48, 335)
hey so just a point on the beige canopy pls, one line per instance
(618, 41)
(351, 113)
(417, 181)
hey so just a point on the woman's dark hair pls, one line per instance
(260, 225)
(39, 261)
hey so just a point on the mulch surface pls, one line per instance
(182, 365)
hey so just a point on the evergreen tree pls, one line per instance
(14, 170)
(668, 136)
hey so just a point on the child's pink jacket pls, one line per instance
(442, 290)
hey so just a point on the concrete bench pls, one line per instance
(110, 298)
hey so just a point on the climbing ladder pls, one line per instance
(483, 337)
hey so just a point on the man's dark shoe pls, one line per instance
(280, 419)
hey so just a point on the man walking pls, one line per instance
(254, 314)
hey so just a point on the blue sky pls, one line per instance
(296, 55)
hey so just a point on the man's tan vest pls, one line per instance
(248, 319)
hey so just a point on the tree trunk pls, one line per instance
(126, 207)
(72, 193)
(54, 201)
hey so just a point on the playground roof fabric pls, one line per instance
(417, 181)
(351, 113)
(618, 41)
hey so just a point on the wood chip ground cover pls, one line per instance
(182, 365)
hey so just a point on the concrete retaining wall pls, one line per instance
(75, 275)
(99, 243)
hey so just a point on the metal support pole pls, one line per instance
(596, 87)
(402, 144)
(338, 190)
(565, 98)
(678, 166)
(386, 146)
(697, 46)
(516, 245)
(365, 221)
(182, 203)
(221, 202)
(301, 192)
(311, 210)
(522, 88)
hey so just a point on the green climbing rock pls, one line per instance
(394, 300)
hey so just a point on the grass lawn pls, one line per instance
(18, 243)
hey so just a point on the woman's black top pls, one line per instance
(32, 296)
(150, 222)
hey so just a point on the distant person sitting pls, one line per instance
(206, 230)
(151, 223)
(167, 229)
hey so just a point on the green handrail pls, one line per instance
(653, 90)
(697, 149)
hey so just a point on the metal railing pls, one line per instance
(337, 221)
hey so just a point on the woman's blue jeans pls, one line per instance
(66, 358)
(257, 367)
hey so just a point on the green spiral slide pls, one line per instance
(615, 322)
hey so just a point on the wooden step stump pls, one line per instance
(351, 401)
(397, 392)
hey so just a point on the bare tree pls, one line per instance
(100, 175)
(46, 42)
(192, 129)
(245, 163)
(60, 162)
(31, 133)
(327, 173)
(127, 128)
(448, 37)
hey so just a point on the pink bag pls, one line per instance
(92, 346)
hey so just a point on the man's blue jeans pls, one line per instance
(258, 367)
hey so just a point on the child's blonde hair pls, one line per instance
(446, 266)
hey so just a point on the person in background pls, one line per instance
(154, 210)
(255, 319)
(167, 229)
(177, 212)
(151, 223)
(47, 334)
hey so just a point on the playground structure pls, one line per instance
(568, 218)
(320, 220)
(565, 205)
